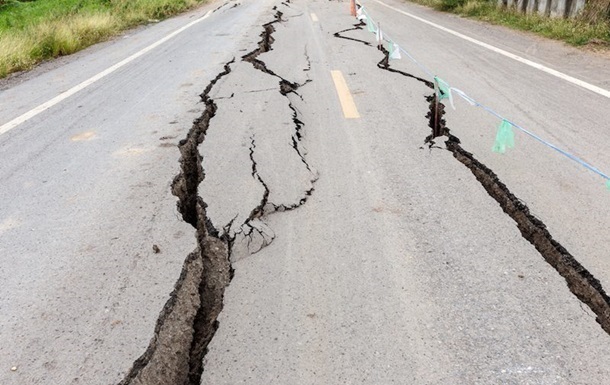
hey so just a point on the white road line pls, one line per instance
(314, 17)
(66, 94)
(550, 71)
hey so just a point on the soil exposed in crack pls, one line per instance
(187, 322)
(384, 64)
(579, 280)
(436, 109)
(286, 88)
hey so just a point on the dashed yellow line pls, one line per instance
(345, 97)
(314, 17)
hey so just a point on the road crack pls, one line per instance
(579, 280)
(355, 28)
(188, 320)
(286, 88)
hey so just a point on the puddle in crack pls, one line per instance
(579, 280)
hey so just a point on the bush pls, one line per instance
(32, 31)
(450, 5)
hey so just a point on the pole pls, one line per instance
(352, 7)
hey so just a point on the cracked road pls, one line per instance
(224, 209)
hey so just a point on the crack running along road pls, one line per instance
(581, 282)
(391, 255)
(401, 266)
(188, 320)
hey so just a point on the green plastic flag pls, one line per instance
(394, 51)
(443, 90)
(442, 86)
(608, 184)
(505, 138)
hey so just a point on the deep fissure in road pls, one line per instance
(188, 320)
(579, 280)
(286, 88)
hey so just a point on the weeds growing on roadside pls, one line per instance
(573, 31)
(33, 31)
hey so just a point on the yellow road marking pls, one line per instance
(314, 18)
(345, 97)
(83, 136)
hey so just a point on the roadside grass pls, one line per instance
(572, 31)
(34, 31)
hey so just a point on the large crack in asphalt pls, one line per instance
(579, 280)
(286, 88)
(188, 321)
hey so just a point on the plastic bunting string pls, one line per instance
(447, 90)
(371, 28)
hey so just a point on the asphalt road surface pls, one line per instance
(247, 193)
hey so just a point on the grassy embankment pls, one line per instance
(35, 30)
(585, 29)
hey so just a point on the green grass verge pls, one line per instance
(573, 31)
(33, 31)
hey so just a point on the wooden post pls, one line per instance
(352, 7)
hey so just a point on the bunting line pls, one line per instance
(505, 135)
(538, 66)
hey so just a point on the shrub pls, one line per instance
(450, 5)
